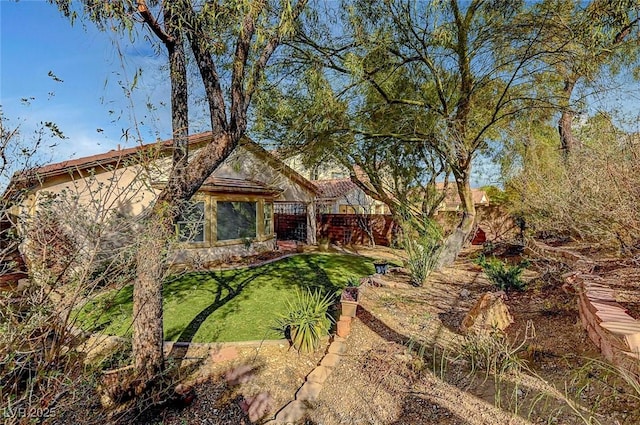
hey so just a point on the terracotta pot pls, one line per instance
(349, 308)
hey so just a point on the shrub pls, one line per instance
(423, 252)
(503, 275)
(306, 319)
(591, 195)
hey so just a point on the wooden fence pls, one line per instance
(357, 229)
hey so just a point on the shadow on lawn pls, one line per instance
(223, 282)
(297, 272)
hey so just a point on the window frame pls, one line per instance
(214, 218)
(205, 222)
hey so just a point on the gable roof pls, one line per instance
(276, 163)
(334, 188)
(118, 157)
(452, 199)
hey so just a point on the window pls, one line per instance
(191, 223)
(236, 220)
(268, 218)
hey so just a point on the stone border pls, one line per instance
(607, 323)
(168, 345)
(609, 327)
(296, 409)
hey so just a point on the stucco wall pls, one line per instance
(125, 190)
(197, 257)
(128, 191)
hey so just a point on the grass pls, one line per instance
(232, 305)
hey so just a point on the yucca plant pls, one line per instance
(306, 319)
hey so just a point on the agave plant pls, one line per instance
(306, 319)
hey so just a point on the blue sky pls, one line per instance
(89, 106)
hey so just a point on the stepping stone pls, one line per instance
(309, 391)
(292, 412)
(330, 360)
(337, 347)
(319, 374)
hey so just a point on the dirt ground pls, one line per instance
(408, 363)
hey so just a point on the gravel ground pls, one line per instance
(407, 363)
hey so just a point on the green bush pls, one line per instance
(503, 275)
(423, 252)
(306, 319)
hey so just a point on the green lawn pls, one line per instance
(233, 305)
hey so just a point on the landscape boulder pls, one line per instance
(489, 314)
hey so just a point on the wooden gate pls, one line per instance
(290, 221)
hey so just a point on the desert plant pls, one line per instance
(504, 276)
(353, 282)
(423, 249)
(306, 319)
(422, 257)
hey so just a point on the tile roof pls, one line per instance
(452, 200)
(113, 156)
(224, 184)
(117, 157)
(334, 188)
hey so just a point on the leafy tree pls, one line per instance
(424, 83)
(585, 39)
(230, 42)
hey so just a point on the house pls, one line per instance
(337, 193)
(451, 201)
(342, 196)
(231, 215)
(327, 169)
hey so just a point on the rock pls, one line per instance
(319, 374)
(330, 360)
(309, 391)
(257, 406)
(344, 327)
(23, 285)
(240, 375)
(292, 412)
(487, 315)
(99, 347)
(337, 347)
(465, 293)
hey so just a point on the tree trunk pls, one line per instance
(147, 296)
(568, 142)
(457, 239)
(151, 256)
